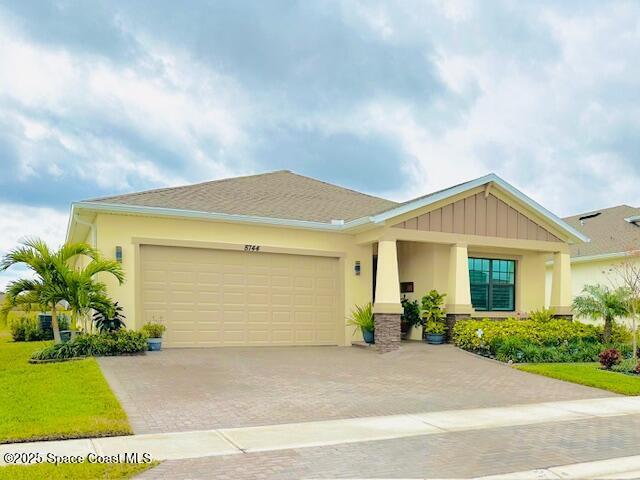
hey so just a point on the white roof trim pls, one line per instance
(596, 258)
(175, 212)
(492, 177)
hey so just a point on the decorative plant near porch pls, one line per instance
(433, 316)
(410, 317)
(600, 302)
(362, 318)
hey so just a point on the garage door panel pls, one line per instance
(231, 298)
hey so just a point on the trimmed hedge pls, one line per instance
(528, 341)
(121, 342)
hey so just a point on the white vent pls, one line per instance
(337, 222)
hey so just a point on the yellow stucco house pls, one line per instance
(281, 259)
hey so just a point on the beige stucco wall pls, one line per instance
(122, 230)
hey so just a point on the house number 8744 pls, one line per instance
(252, 248)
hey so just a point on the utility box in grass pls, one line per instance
(44, 322)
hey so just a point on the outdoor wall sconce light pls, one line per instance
(119, 254)
(357, 267)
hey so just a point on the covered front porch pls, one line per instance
(482, 277)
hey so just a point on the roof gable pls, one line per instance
(480, 214)
(538, 211)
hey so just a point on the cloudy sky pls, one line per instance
(392, 98)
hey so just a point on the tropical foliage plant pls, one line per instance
(600, 302)
(362, 317)
(433, 306)
(435, 328)
(109, 318)
(410, 312)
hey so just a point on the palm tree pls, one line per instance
(601, 302)
(83, 293)
(55, 279)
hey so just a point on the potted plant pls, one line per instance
(362, 318)
(434, 332)
(433, 315)
(154, 331)
(410, 317)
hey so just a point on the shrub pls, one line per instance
(525, 341)
(121, 342)
(476, 335)
(25, 329)
(542, 315)
(609, 358)
(410, 312)
(154, 330)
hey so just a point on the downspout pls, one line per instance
(94, 236)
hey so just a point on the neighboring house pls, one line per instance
(614, 234)
(281, 259)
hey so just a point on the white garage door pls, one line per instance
(233, 298)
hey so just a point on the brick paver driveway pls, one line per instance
(197, 389)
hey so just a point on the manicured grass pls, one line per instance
(589, 374)
(70, 471)
(54, 401)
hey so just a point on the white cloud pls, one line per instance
(165, 98)
(18, 222)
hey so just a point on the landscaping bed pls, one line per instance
(54, 401)
(76, 471)
(530, 341)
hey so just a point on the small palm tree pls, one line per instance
(83, 293)
(600, 302)
(54, 278)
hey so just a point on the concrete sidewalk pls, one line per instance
(231, 441)
(611, 469)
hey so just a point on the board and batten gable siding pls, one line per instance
(480, 215)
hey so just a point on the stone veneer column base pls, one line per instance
(387, 333)
(451, 320)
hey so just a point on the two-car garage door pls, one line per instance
(209, 297)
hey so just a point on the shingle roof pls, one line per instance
(281, 194)
(608, 231)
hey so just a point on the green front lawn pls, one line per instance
(69, 471)
(54, 401)
(589, 374)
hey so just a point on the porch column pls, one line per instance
(459, 292)
(561, 297)
(387, 307)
